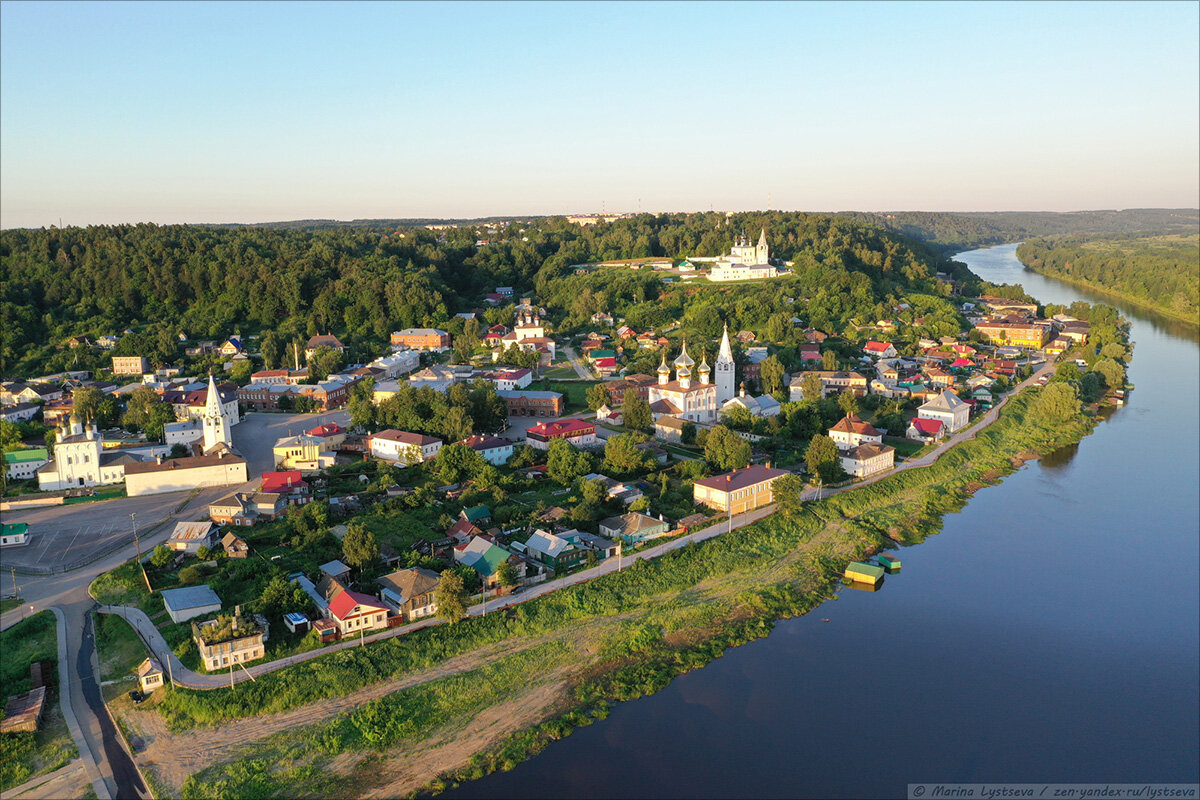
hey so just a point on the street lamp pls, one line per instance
(136, 542)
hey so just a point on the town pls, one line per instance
(288, 499)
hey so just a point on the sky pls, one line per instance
(255, 112)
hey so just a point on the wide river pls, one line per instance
(1050, 632)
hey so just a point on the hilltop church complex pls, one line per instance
(745, 262)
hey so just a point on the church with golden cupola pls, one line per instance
(687, 399)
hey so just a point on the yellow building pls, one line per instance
(305, 453)
(1016, 334)
(738, 491)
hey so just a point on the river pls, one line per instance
(1050, 632)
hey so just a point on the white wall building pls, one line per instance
(947, 408)
(403, 447)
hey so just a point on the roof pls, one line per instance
(852, 424)
(741, 478)
(323, 340)
(404, 437)
(631, 522)
(929, 427)
(476, 513)
(876, 347)
(343, 604)
(463, 527)
(190, 597)
(334, 568)
(547, 544)
(563, 427)
(409, 583)
(22, 456)
(868, 450)
(190, 531)
(193, 462)
(506, 394)
(420, 332)
(277, 481)
(485, 441)
(148, 666)
(946, 401)
(668, 421)
(328, 429)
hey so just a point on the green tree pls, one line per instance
(457, 425)
(848, 402)
(594, 492)
(687, 434)
(564, 463)
(457, 461)
(1113, 372)
(240, 374)
(93, 404)
(506, 574)
(362, 404)
(323, 363)
(145, 411)
(305, 404)
(451, 596)
(622, 456)
(829, 361)
(191, 574)
(786, 491)
(810, 387)
(771, 373)
(162, 556)
(597, 396)
(359, 546)
(822, 457)
(1057, 403)
(636, 412)
(724, 450)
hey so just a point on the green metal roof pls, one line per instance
(865, 569)
(477, 513)
(32, 454)
(15, 528)
(603, 354)
(487, 563)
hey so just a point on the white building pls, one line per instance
(745, 262)
(948, 409)
(508, 380)
(403, 447)
(398, 363)
(495, 451)
(867, 459)
(725, 369)
(761, 406)
(183, 432)
(215, 422)
(79, 460)
(694, 402)
(850, 431)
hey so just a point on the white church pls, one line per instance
(698, 401)
(80, 459)
(745, 262)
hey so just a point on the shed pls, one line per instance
(150, 675)
(295, 621)
(864, 573)
(189, 537)
(335, 569)
(325, 629)
(22, 712)
(190, 601)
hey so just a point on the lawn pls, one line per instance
(120, 651)
(9, 604)
(24, 755)
(905, 448)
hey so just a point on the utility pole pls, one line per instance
(136, 541)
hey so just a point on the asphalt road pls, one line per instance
(258, 431)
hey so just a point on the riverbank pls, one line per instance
(556, 663)
(1025, 253)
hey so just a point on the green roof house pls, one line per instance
(476, 514)
(16, 533)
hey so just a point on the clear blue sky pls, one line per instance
(206, 112)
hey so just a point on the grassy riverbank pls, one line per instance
(554, 663)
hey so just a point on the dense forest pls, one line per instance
(1162, 272)
(208, 282)
(954, 232)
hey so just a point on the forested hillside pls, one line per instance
(1162, 272)
(362, 283)
(954, 232)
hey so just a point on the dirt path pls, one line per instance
(174, 756)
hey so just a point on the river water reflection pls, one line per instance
(1050, 633)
